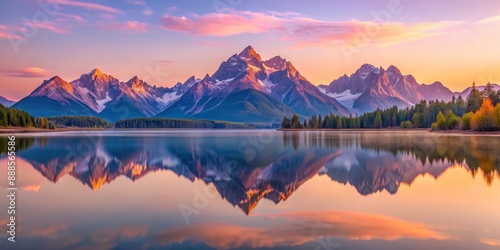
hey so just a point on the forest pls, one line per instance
(79, 121)
(479, 112)
(17, 118)
(178, 123)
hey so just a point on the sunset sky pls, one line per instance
(164, 42)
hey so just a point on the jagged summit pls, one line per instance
(95, 71)
(393, 70)
(276, 63)
(249, 52)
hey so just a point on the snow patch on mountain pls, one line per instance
(267, 84)
(346, 98)
(224, 82)
(101, 104)
(169, 98)
(397, 81)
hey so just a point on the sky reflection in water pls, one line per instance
(257, 189)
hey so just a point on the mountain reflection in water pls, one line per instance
(272, 165)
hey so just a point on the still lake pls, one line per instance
(255, 189)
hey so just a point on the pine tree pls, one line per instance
(285, 123)
(366, 122)
(296, 121)
(339, 123)
(474, 99)
(378, 121)
(489, 91)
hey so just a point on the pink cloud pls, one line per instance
(147, 12)
(302, 31)
(54, 26)
(222, 24)
(71, 17)
(292, 229)
(131, 26)
(309, 32)
(34, 188)
(6, 32)
(29, 72)
(89, 6)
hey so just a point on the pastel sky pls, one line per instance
(165, 42)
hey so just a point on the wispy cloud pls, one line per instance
(130, 26)
(300, 30)
(71, 17)
(490, 19)
(89, 6)
(6, 32)
(136, 2)
(54, 26)
(147, 12)
(29, 72)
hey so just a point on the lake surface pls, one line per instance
(256, 189)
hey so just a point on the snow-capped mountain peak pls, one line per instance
(370, 88)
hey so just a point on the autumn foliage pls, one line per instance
(484, 118)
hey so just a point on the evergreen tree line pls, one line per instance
(17, 118)
(460, 113)
(177, 123)
(79, 121)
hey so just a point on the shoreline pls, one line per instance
(396, 129)
(12, 130)
(22, 130)
(354, 129)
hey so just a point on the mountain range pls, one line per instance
(6, 102)
(370, 88)
(245, 88)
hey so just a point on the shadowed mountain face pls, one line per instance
(6, 102)
(248, 168)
